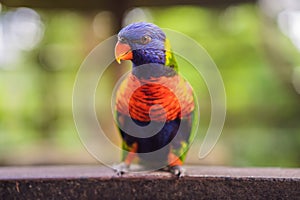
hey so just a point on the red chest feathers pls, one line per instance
(165, 98)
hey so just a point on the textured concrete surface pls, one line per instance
(97, 182)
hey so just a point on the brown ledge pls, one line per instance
(97, 182)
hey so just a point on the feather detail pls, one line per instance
(167, 98)
(169, 56)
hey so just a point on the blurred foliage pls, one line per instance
(262, 129)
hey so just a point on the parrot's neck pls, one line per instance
(146, 56)
(149, 63)
(152, 70)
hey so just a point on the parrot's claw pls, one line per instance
(177, 170)
(121, 168)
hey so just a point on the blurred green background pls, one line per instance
(255, 48)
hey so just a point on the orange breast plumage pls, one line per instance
(163, 98)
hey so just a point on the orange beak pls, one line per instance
(123, 52)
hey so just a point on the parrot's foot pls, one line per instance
(121, 168)
(177, 170)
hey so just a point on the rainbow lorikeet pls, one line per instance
(152, 95)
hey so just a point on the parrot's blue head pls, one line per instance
(142, 43)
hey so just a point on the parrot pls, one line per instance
(153, 95)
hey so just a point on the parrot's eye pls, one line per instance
(145, 39)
